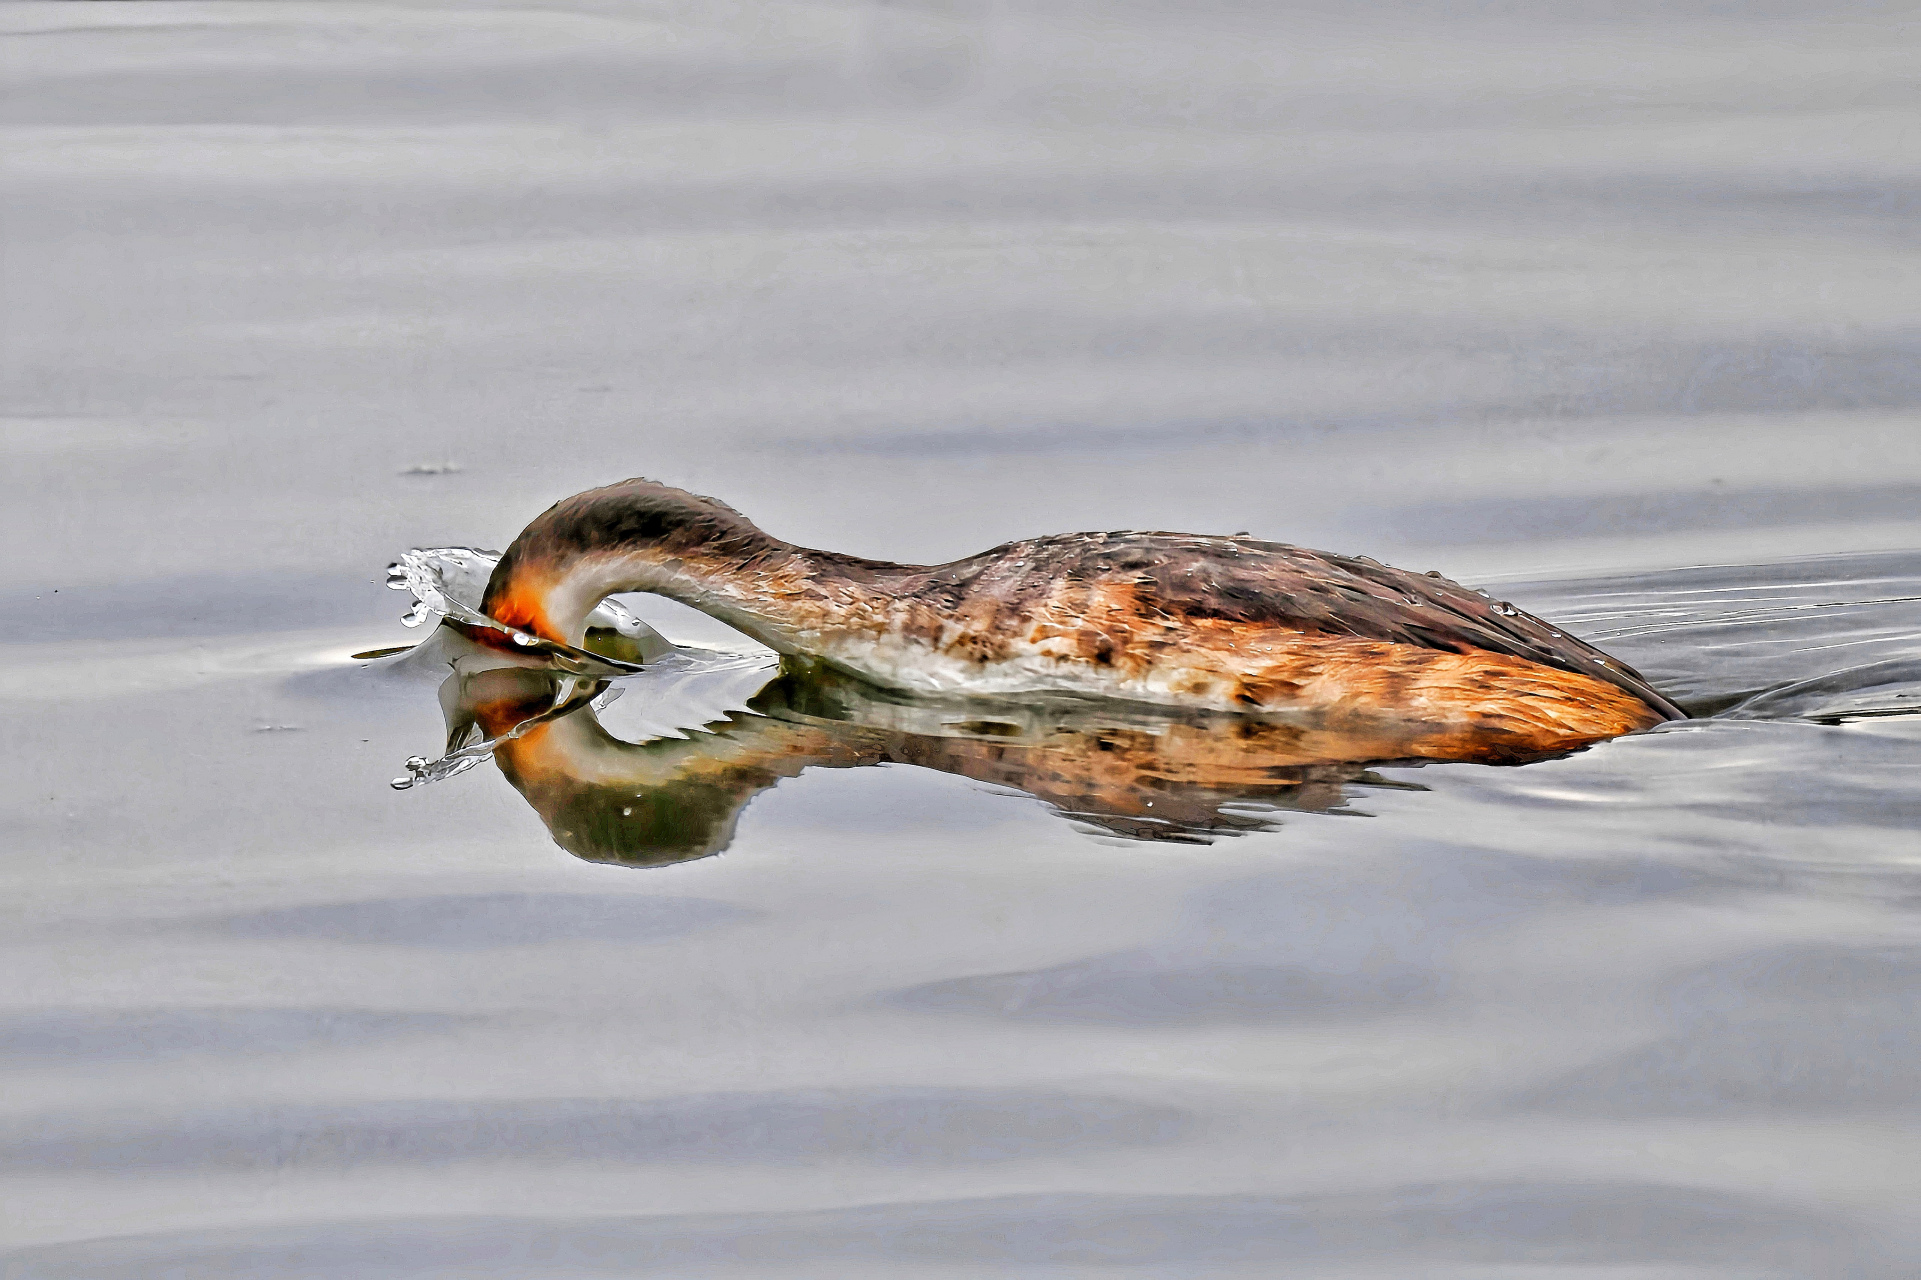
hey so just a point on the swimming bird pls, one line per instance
(1186, 620)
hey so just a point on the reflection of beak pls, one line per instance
(493, 694)
(487, 709)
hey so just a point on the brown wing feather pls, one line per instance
(1244, 581)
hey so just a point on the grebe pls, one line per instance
(1219, 623)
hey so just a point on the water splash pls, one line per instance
(450, 582)
(446, 582)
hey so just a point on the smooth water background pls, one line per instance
(1561, 295)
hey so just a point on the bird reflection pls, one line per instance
(1133, 772)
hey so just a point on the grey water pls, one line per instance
(1607, 308)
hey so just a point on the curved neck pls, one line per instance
(643, 536)
(748, 593)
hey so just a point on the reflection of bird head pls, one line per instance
(597, 795)
(633, 826)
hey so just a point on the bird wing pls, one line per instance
(1274, 584)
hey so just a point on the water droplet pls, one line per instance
(521, 637)
(626, 813)
(401, 784)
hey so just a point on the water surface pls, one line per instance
(1611, 311)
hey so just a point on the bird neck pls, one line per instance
(552, 596)
(639, 535)
(788, 598)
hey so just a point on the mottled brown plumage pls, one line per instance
(1226, 623)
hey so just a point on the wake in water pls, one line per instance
(1826, 640)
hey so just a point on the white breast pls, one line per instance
(898, 663)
